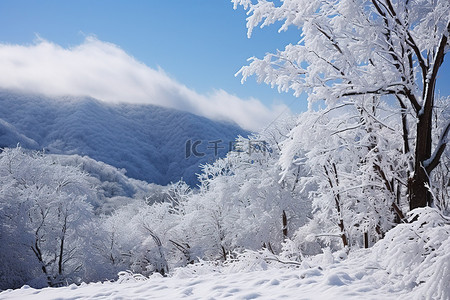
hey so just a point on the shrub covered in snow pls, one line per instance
(417, 255)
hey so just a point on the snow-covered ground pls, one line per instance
(350, 279)
(355, 278)
(411, 262)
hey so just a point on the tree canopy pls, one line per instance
(352, 52)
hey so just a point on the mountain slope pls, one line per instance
(148, 141)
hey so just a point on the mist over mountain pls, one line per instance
(148, 141)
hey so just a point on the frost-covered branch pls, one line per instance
(433, 161)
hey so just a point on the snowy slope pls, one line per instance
(148, 141)
(9, 136)
(352, 279)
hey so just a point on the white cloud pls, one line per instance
(104, 71)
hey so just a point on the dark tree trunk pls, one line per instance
(366, 239)
(419, 195)
(285, 230)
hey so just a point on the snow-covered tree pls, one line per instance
(242, 202)
(140, 237)
(358, 167)
(349, 50)
(46, 219)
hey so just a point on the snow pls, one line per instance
(352, 279)
(146, 140)
(244, 234)
(10, 135)
(400, 266)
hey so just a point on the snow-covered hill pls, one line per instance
(148, 141)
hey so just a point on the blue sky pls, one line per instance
(199, 43)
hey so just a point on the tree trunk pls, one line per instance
(285, 229)
(419, 196)
(418, 193)
(337, 199)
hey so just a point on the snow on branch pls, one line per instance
(433, 161)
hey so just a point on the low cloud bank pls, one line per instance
(104, 71)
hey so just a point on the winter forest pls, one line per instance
(363, 174)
